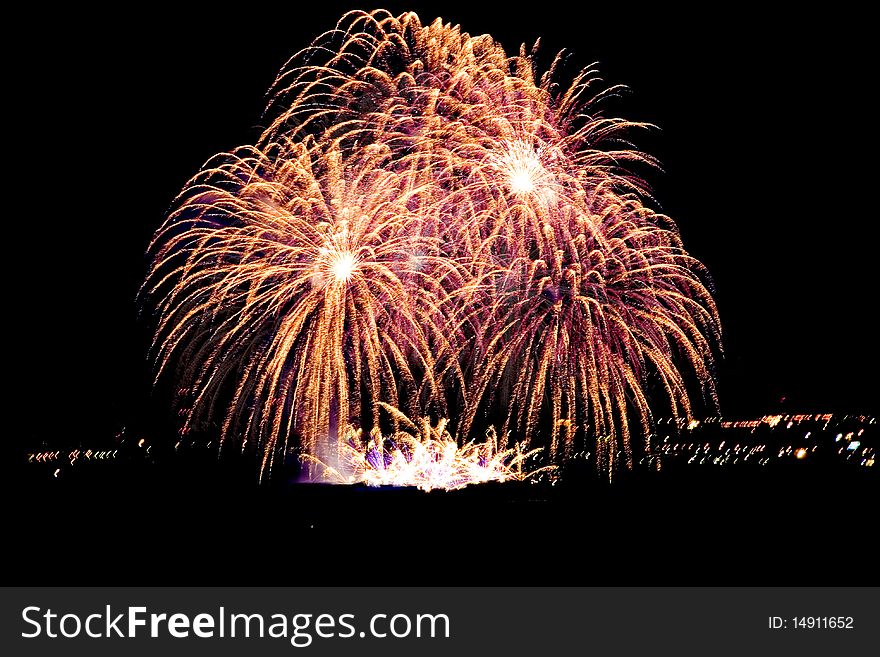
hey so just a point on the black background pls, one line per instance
(766, 135)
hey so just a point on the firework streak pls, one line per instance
(428, 224)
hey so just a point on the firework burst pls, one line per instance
(424, 455)
(428, 223)
(305, 286)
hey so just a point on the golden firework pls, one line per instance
(429, 223)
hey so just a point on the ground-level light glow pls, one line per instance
(426, 456)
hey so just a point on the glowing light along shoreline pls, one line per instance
(426, 456)
(430, 224)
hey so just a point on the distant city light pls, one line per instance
(705, 443)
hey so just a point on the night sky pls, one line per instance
(764, 119)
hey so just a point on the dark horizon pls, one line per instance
(761, 118)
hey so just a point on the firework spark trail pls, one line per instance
(428, 223)
(427, 456)
(306, 284)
